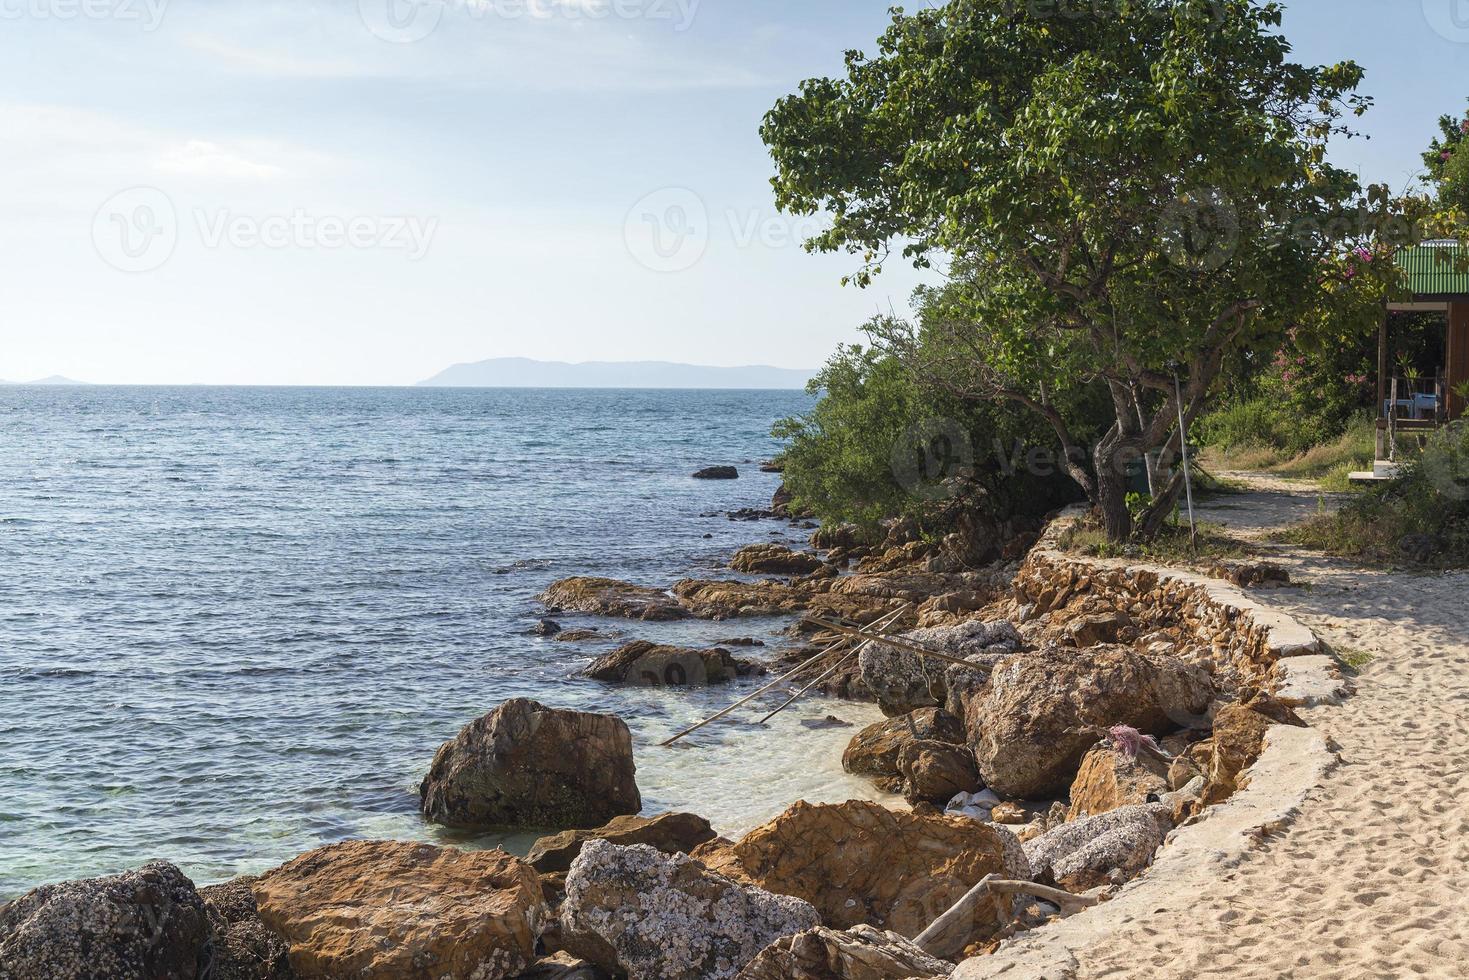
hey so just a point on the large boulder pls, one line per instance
(527, 765)
(244, 949)
(859, 953)
(935, 772)
(874, 751)
(609, 597)
(1109, 779)
(732, 600)
(1108, 849)
(1040, 713)
(904, 681)
(646, 664)
(148, 924)
(717, 473)
(408, 911)
(859, 862)
(774, 559)
(671, 833)
(652, 916)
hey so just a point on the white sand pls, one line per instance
(1372, 878)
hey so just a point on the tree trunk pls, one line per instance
(1111, 499)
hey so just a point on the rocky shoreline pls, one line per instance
(1086, 714)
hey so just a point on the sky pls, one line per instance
(364, 192)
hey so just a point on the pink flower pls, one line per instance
(1445, 155)
(1464, 126)
(1129, 741)
(1364, 253)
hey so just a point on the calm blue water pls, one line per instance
(236, 623)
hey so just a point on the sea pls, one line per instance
(236, 623)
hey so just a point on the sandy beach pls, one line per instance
(1372, 879)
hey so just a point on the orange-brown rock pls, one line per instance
(935, 772)
(609, 597)
(1038, 716)
(1239, 737)
(1109, 779)
(874, 751)
(773, 559)
(407, 911)
(732, 600)
(859, 862)
(671, 833)
(1009, 813)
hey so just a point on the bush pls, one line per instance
(1422, 517)
(879, 445)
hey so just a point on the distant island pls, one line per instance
(55, 379)
(521, 372)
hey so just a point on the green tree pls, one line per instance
(1448, 164)
(1120, 198)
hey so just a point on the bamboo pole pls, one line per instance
(884, 623)
(899, 644)
(950, 932)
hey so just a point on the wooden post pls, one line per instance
(1456, 355)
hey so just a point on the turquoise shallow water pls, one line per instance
(235, 623)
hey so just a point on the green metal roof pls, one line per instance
(1438, 268)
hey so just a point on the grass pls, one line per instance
(1327, 464)
(1354, 660)
(1172, 547)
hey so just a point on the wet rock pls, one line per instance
(579, 636)
(859, 862)
(934, 772)
(859, 953)
(844, 682)
(1109, 779)
(830, 721)
(717, 473)
(527, 765)
(645, 664)
(1110, 848)
(874, 751)
(1037, 718)
(408, 911)
(772, 466)
(740, 641)
(773, 559)
(143, 924)
(651, 916)
(545, 627)
(671, 833)
(244, 949)
(609, 597)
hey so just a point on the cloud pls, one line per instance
(202, 158)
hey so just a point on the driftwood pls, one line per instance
(947, 935)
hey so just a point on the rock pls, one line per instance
(830, 721)
(874, 751)
(148, 924)
(244, 949)
(845, 681)
(401, 910)
(859, 953)
(652, 916)
(845, 536)
(647, 664)
(671, 833)
(740, 641)
(1008, 813)
(1090, 631)
(564, 966)
(1108, 779)
(1110, 848)
(731, 600)
(579, 636)
(976, 806)
(773, 559)
(1239, 737)
(1182, 771)
(772, 466)
(859, 862)
(783, 504)
(717, 473)
(609, 597)
(527, 765)
(545, 627)
(1029, 729)
(904, 681)
(935, 771)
